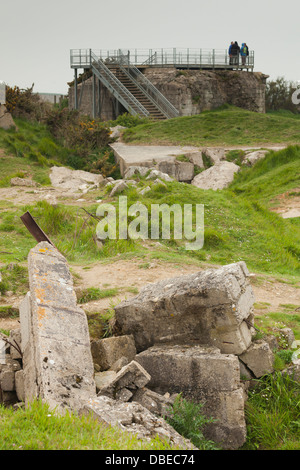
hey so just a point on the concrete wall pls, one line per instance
(190, 91)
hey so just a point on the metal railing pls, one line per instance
(176, 57)
(115, 86)
(146, 87)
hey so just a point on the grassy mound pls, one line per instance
(226, 126)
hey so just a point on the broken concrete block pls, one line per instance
(19, 383)
(181, 171)
(126, 382)
(102, 379)
(258, 358)
(201, 374)
(195, 158)
(7, 380)
(215, 155)
(253, 157)
(159, 174)
(211, 307)
(57, 359)
(216, 177)
(107, 351)
(118, 188)
(158, 404)
(133, 418)
(70, 180)
(117, 366)
(136, 170)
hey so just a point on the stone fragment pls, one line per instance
(116, 131)
(253, 157)
(102, 379)
(7, 380)
(107, 351)
(216, 177)
(135, 170)
(215, 155)
(130, 378)
(258, 358)
(180, 171)
(159, 174)
(195, 158)
(71, 180)
(210, 307)
(19, 383)
(158, 404)
(119, 187)
(133, 418)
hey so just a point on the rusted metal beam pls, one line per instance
(34, 229)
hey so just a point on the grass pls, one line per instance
(272, 414)
(39, 428)
(275, 174)
(226, 126)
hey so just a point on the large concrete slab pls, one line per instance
(209, 307)
(57, 359)
(146, 155)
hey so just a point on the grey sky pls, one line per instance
(36, 35)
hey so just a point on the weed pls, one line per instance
(187, 418)
(94, 293)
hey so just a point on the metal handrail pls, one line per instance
(116, 87)
(215, 58)
(139, 79)
(150, 59)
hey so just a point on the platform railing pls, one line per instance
(176, 57)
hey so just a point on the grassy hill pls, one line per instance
(227, 126)
(239, 225)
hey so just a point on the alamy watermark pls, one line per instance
(2, 352)
(163, 221)
(296, 95)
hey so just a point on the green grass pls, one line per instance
(272, 414)
(39, 428)
(226, 126)
(94, 293)
(275, 174)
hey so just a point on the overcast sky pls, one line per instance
(36, 35)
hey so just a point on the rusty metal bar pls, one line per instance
(34, 229)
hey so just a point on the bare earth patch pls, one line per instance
(288, 204)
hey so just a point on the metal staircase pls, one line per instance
(131, 88)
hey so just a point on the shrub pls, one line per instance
(25, 104)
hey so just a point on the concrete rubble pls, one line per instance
(211, 307)
(218, 176)
(191, 335)
(74, 180)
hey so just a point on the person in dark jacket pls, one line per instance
(230, 53)
(235, 50)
